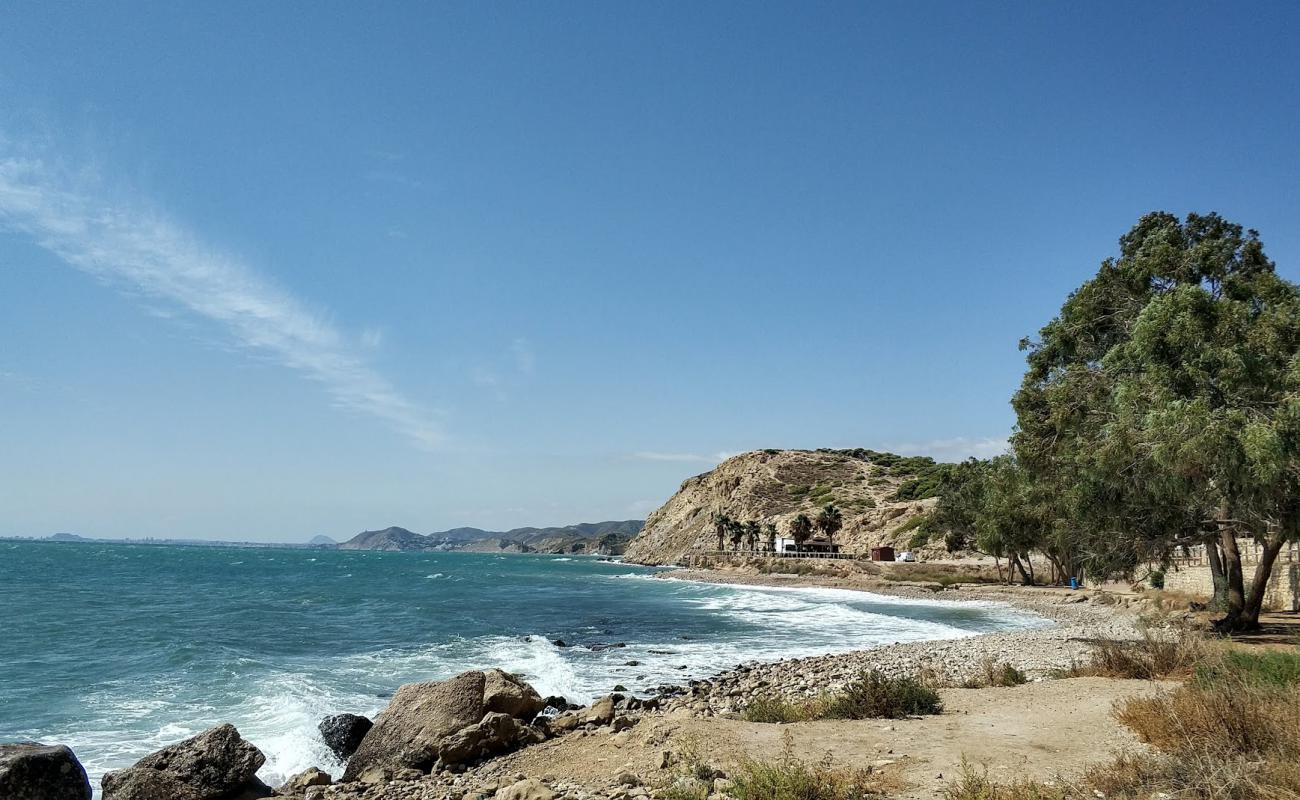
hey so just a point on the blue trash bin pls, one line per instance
(1074, 582)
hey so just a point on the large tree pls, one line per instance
(1160, 407)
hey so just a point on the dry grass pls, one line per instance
(789, 778)
(1155, 655)
(1231, 731)
(977, 785)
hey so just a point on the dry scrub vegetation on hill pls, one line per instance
(882, 496)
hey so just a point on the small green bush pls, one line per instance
(876, 696)
(1157, 579)
(775, 709)
(994, 674)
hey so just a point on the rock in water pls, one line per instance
(215, 765)
(343, 733)
(31, 771)
(419, 717)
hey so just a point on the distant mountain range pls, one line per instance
(605, 538)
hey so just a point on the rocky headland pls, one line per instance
(879, 494)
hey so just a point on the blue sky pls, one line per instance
(272, 270)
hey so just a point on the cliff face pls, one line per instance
(773, 486)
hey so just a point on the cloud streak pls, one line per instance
(147, 254)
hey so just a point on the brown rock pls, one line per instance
(504, 693)
(602, 711)
(215, 765)
(527, 789)
(419, 717)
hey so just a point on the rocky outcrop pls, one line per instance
(447, 724)
(31, 771)
(774, 486)
(343, 733)
(215, 765)
(603, 538)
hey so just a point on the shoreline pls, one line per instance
(1077, 621)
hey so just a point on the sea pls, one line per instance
(117, 650)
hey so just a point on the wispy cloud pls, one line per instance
(145, 253)
(654, 455)
(956, 449)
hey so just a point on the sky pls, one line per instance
(271, 270)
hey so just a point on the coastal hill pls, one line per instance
(605, 538)
(882, 496)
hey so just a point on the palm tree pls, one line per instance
(721, 526)
(800, 529)
(770, 530)
(751, 535)
(737, 534)
(829, 521)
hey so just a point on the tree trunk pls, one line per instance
(1024, 576)
(1232, 621)
(1263, 571)
(1217, 576)
(997, 564)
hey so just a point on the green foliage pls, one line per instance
(1162, 405)
(920, 538)
(829, 521)
(871, 696)
(994, 674)
(875, 696)
(1156, 579)
(1278, 668)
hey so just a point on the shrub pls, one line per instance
(875, 696)
(775, 709)
(976, 785)
(789, 778)
(1147, 658)
(872, 696)
(994, 674)
(1269, 667)
(1157, 579)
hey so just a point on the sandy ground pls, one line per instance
(1045, 730)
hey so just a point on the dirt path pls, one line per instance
(1038, 730)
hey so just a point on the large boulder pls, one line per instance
(447, 724)
(503, 693)
(343, 733)
(215, 765)
(418, 718)
(31, 771)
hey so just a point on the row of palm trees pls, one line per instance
(827, 522)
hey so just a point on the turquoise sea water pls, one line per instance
(117, 650)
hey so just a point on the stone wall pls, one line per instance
(1283, 589)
